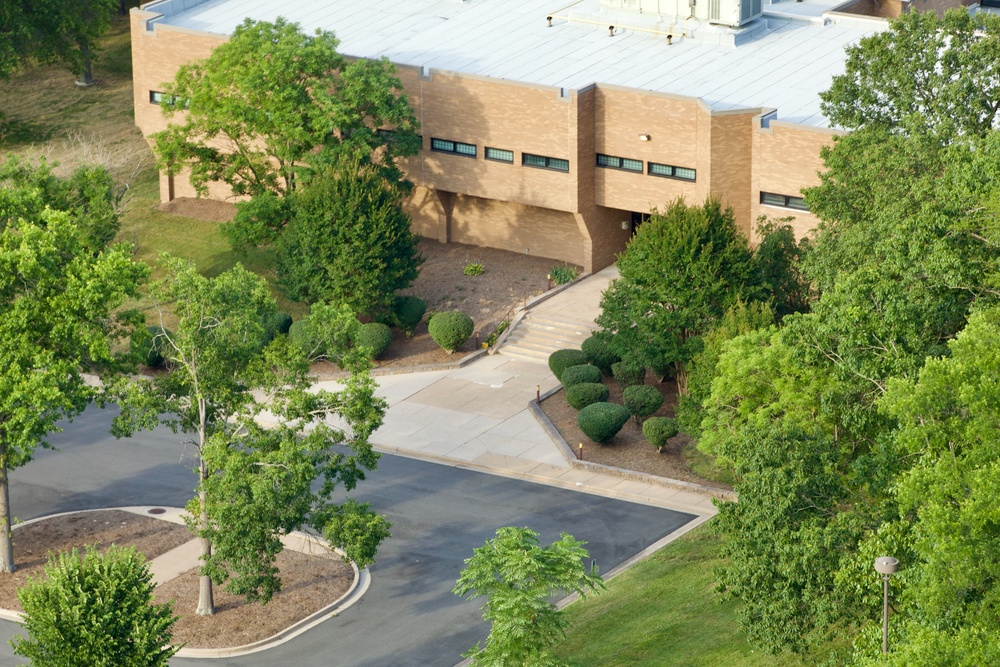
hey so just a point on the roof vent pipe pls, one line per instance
(549, 19)
(670, 40)
(611, 31)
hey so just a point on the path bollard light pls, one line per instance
(886, 566)
(579, 452)
(538, 394)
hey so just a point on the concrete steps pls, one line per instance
(537, 336)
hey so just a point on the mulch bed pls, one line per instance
(309, 582)
(629, 449)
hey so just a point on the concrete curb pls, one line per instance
(362, 580)
(633, 475)
(405, 370)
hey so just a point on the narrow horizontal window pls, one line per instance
(157, 97)
(500, 155)
(558, 164)
(670, 171)
(612, 162)
(453, 147)
(784, 201)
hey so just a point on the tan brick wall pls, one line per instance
(787, 159)
(732, 159)
(671, 123)
(517, 227)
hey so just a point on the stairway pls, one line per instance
(537, 336)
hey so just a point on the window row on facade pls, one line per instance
(652, 168)
(784, 201)
(498, 154)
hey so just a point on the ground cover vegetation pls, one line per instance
(312, 141)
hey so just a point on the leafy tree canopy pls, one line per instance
(925, 75)
(262, 103)
(255, 483)
(519, 577)
(679, 274)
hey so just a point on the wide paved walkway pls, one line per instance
(478, 417)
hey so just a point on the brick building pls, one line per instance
(551, 131)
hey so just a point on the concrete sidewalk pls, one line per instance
(478, 417)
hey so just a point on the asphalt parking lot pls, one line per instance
(409, 616)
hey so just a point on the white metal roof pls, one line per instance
(798, 47)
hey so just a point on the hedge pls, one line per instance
(560, 360)
(658, 430)
(407, 312)
(602, 421)
(582, 373)
(599, 353)
(641, 400)
(583, 394)
(451, 329)
(376, 336)
(628, 373)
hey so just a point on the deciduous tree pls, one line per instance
(926, 75)
(679, 274)
(255, 483)
(59, 293)
(518, 577)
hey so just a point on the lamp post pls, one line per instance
(886, 566)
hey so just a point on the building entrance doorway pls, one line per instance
(638, 219)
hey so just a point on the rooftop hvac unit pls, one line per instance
(732, 13)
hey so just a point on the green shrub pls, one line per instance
(407, 312)
(628, 373)
(602, 421)
(561, 275)
(275, 325)
(658, 430)
(582, 373)
(560, 360)
(599, 353)
(663, 371)
(583, 394)
(376, 336)
(641, 400)
(474, 269)
(451, 329)
(299, 336)
(146, 346)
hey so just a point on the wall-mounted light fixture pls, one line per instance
(644, 137)
(625, 224)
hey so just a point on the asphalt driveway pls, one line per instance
(409, 616)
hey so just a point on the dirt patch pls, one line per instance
(629, 449)
(210, 210)
(35, 541)
(309, 581)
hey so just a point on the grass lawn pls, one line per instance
(663, 612)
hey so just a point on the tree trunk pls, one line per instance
(87, 76)
(6, 544)
(206, 605)
(682, 379)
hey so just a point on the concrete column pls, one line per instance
(447, 200)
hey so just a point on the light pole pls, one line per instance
(886, 566)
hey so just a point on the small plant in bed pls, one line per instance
(560, 275)
(474, 269)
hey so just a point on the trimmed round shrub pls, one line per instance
(657, 430)
(582, 373)
(599, 353)
(602, 421)
(628, 373)
(146, 346)
(642, 400)
(407, 312)
(560, 360)
(583, 394)
(451, 329)
(376, 336)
